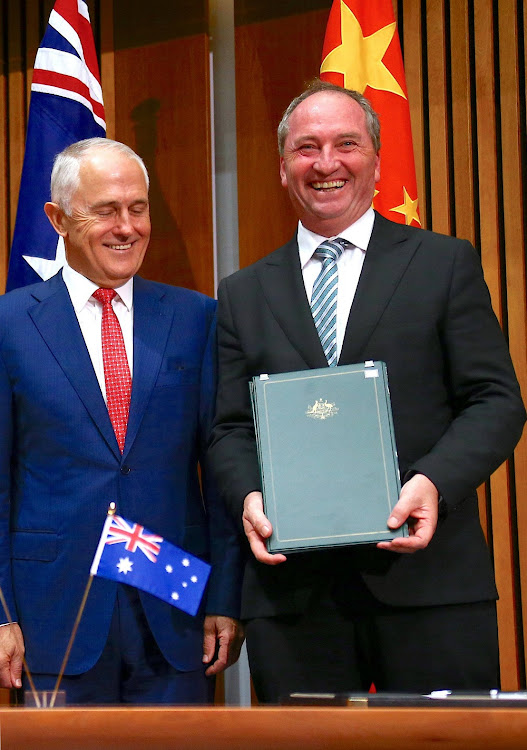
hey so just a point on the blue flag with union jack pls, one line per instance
(66, 106)
(129, 553)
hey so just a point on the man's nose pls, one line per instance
(124, 223)
(327, 161)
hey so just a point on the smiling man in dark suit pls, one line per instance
(417, 613)
(73, 438)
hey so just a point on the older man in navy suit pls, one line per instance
(65, 455)
(417, 613)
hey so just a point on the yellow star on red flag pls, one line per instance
(361, 51)
(408, 209)
(359, 57)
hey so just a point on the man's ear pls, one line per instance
(56, 216)
(283, 176)
(377, 167)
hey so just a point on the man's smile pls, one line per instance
(330, 185)
(120, 247)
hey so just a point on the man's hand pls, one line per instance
(11, 656)
(418, 504)
(227, 634)
(258, 528)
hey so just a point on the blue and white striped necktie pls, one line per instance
(324, 296)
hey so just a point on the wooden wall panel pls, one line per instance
(4, 188)
(4, 152)
(274, 60)
(16, 95)
(165, 116)
(438, 116)
(32, 40)
(503, 541)
(162, 109)
(462, 120)
(491, 246)
(487, 177)
(512, 153)
(463, 199)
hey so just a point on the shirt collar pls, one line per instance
(81, 289)
(359, 234)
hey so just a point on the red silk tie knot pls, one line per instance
(116, 370)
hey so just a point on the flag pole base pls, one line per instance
(43, 699)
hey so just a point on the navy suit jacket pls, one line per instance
(422, 307)
(60, 467)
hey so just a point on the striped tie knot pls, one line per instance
(332, 249)
(324, 296)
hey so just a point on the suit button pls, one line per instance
(125, 470)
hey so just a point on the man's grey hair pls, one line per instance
(65, 178)
(315, 87)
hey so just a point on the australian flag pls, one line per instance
(129, 553)
(66, 106)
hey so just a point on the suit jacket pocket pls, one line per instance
(178, 374)
(34, 545)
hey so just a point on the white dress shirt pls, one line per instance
(349, 264)
(89, 315)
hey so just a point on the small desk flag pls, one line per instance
(361, 51)
(66, 106)
(129, 553)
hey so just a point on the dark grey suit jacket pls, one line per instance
(422, 307)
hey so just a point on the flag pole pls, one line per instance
(111, 512)
(70, 644)
(24, 662)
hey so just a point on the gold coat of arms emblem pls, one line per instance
(322, 409)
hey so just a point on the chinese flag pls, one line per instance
(362, 52)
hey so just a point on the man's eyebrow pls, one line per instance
(353, 135)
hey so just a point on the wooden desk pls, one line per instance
(219, 728)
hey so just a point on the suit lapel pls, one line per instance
(57, 323)
(281, 280)
(152, 324)
(390, 250)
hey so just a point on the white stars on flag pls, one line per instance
(125, 565)
(185, 562)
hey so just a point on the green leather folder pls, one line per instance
(327, 456)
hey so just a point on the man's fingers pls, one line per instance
(16, 672)
(11, 655)
(258, 528)
(259, 550)
(220, 663)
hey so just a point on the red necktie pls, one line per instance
(116, 370)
